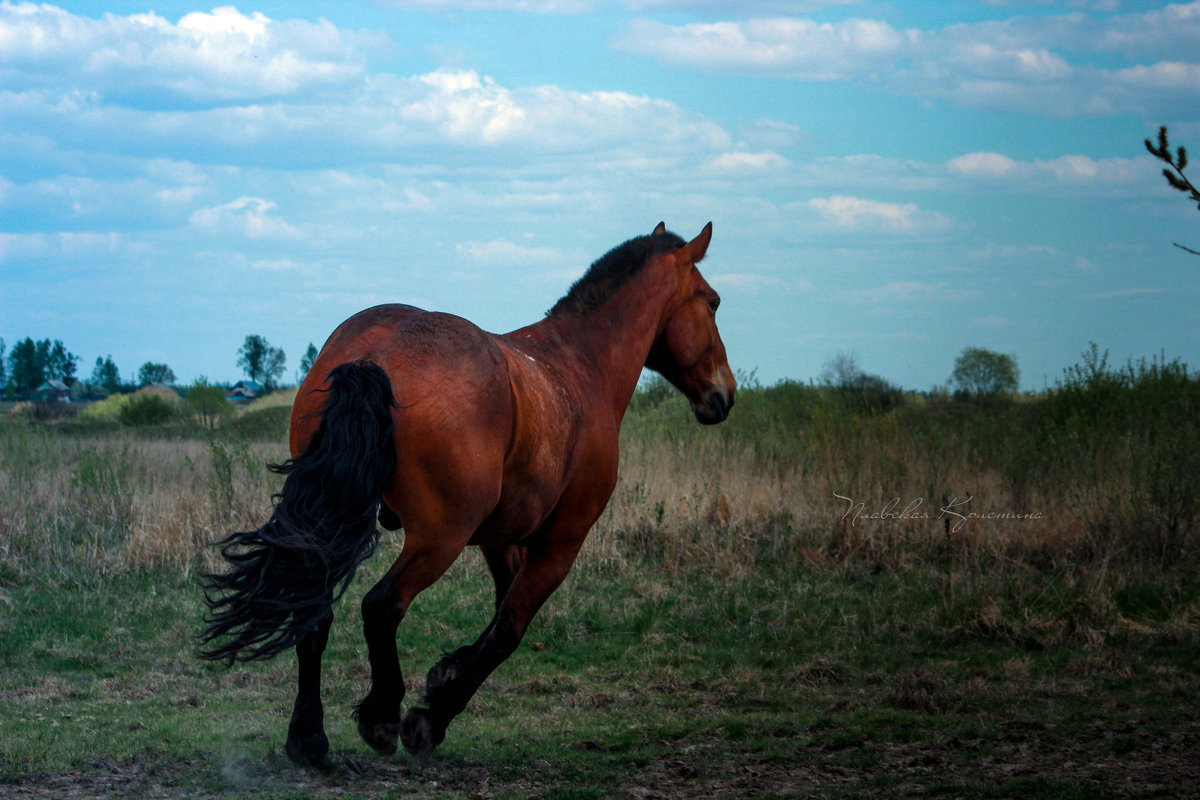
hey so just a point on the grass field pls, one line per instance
(734, 628)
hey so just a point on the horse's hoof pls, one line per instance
(311, 752)
(421, 733)
(381, 736)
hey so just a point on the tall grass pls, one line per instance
(1086, 495)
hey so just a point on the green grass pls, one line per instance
(841, 682)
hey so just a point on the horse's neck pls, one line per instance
(611, 343)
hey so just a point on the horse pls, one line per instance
(422, 421)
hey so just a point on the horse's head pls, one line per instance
(688, 351)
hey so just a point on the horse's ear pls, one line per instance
(697, 247)
(659, 229)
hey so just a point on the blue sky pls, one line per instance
(893, 180)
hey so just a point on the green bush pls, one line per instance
(106, 410)
(207, 403)
(148, 410)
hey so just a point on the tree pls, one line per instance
(207, 402)
(1173, 172)
(30, 364)
(306, 362)
(60, 362)
(842, 371)
(982, 372)
(106, 375)
(3, 373)
(27, 366)
(155, 373)
(261, 362)
(861, 389)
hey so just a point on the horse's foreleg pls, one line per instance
(307, 744)
(454, 680)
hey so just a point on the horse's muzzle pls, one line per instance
(714, 407)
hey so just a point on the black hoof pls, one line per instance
(421, 732)
(379, 723)
(381, 736)
(311, 751)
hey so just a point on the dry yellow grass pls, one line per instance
(857, 488)
(128, 501)
(279, 399)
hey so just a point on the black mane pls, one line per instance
(612, 271)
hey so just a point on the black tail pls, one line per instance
(285, 576)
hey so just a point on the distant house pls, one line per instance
(54, 390)
(243, 392)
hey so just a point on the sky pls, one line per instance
(893, 181)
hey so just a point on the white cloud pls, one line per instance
(1065, 170)
(739, 161)
(1035, 64)
(465, 107)
(796, 48)
(855, 212)
(502, 251)
(578, 6)
(249, 216)
(222, 55)
(531, 6)
(19, 246)
(275, 265)
(751, 282)
(391, 116)
(992, 165)
(770, 134)
(1174, 75)
(1072, 168)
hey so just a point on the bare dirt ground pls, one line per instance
(1120, 760)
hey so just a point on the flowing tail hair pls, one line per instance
(284, 577)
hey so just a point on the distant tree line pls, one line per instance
(979, 374)
(31, 364)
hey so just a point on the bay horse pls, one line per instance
(422, 421)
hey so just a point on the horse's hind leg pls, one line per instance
(307, 744)
(454, 680)
(383, 608)
(504, 562)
